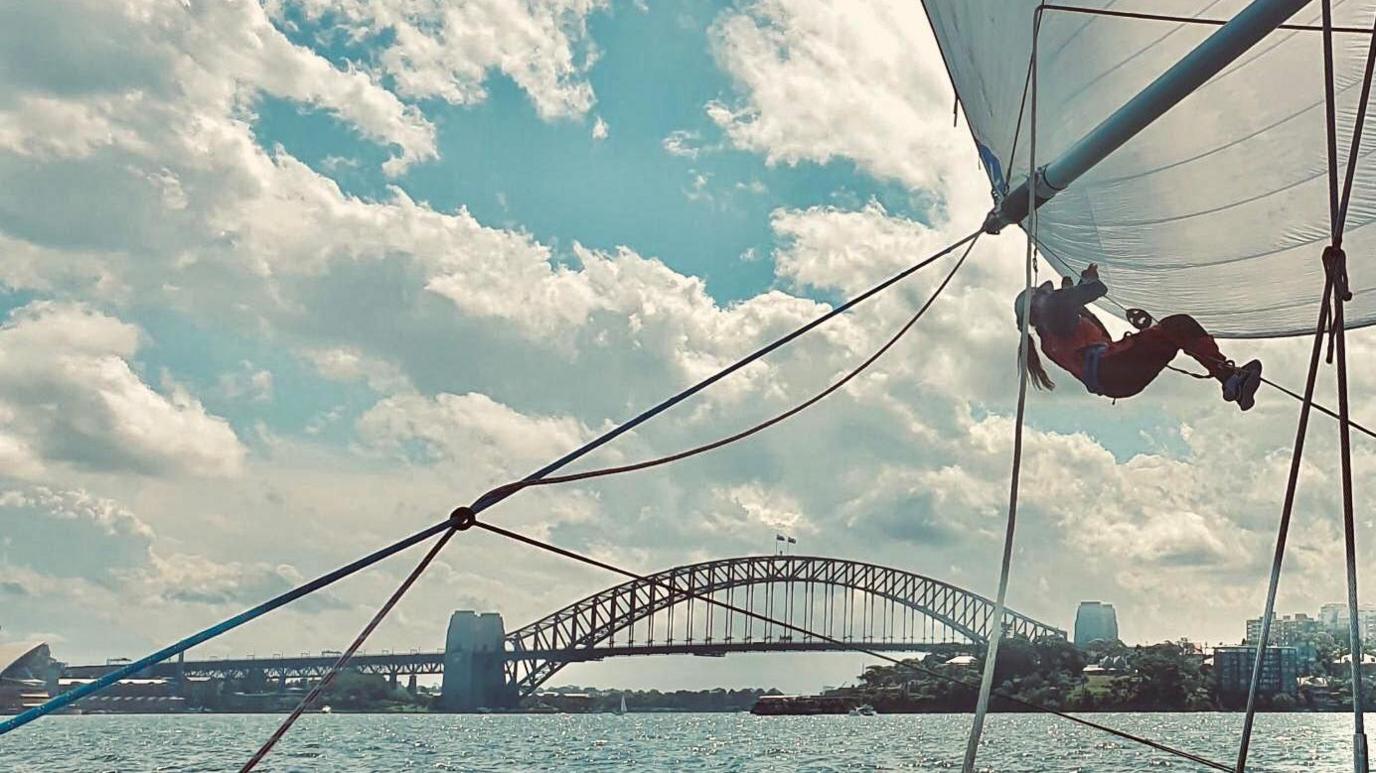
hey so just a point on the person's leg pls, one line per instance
(1129, 365)
(1191, 338)
(1239, 383)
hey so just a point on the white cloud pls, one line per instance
(744, 509)
(347, 364)
(128, 69)
(113, 582)
(451, 426)
(833, 249)
(821, 80)
(600, 130)
(69, 395)
(445, 50)
(683, 143)
(247, 382)
(490, 357)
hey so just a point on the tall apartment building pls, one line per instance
(1095, 620)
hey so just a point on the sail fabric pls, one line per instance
(1219, 209)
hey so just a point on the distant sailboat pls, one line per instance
(622, 709)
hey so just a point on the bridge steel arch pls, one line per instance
(539, 650)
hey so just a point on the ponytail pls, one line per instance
(1035, 371)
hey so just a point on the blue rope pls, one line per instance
(71, 696)
(458, 516)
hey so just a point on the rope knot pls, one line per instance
(463, 518)
(1335, 265)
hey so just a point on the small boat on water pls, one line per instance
(622, 708)
(863, 710)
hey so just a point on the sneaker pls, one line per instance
(1241, 387)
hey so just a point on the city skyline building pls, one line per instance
(1287, 631)
(1095, 620)
(1279, 670)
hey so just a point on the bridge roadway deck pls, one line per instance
(408, 663)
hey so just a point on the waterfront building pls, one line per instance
(28, 676)
(128, 696)
(1279, 670)
(1095, 620)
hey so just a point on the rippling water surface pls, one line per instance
(662, 742)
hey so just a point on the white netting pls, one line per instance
(1220, 208)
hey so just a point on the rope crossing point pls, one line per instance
(466, 517)
(131, 669)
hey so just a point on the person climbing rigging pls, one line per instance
(1077, 341)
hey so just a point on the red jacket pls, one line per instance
(1067, 328)
(1068, 351)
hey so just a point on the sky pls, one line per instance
(283, 282)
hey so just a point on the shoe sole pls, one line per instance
(1247, 390)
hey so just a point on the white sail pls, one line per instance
(1220, 209)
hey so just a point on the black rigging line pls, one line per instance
(465, 517)
(515, 486)
(1336, 293)
(344, 657)
(1144, 16)
(675, 590)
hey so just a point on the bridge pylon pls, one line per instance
(474, 656)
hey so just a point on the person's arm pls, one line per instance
(1090, 289)
(1064, 306)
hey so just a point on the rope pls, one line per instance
(1320, 407)
(678, 591)
(1143, 16)
(283, 599)
(1335, 292)
(996, 625)
(132, 669)
(500, 493)
(465, 517)
(349, 653)
(1359, 750)
(515, 486)
(1335, 266)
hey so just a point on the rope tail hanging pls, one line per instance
(995, 625)
(1336, 292)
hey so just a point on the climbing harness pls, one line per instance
(1094, 354)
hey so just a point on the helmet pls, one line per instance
(1040, 291)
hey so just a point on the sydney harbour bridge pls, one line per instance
(842, 603)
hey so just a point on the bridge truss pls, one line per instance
(880, 607)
